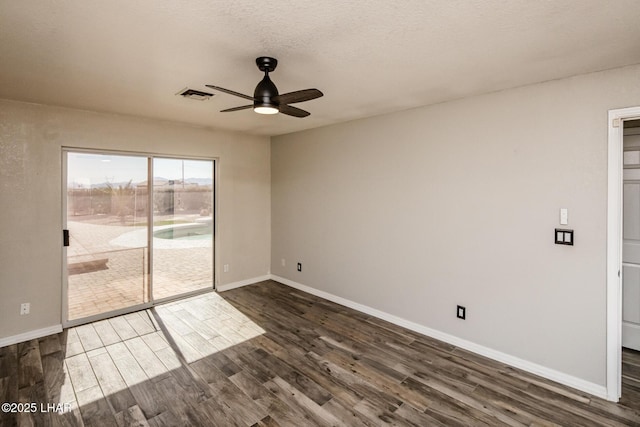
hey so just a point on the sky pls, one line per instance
(88, 168)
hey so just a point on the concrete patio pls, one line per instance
(108, 267)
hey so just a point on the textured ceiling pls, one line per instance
(368, 57)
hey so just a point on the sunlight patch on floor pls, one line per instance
(203, 325)
(110, 356)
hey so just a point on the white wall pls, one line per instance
(415, 212)
(31, 137)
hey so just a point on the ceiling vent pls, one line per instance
(195, 94)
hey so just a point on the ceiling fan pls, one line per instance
(266, 99)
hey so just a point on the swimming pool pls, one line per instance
(195, 231)
(197, 234)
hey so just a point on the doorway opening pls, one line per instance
(139, 230)
(615, 253)
(630, 390)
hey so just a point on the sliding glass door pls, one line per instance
(105, 208)
(140, 229)
(182, 226)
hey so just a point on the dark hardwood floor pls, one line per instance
(269, 355)
(630, 379)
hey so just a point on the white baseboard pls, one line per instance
(234, 285)
(516, 362)
(27, 336)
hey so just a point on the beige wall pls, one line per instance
(31, 137)
(415, 212)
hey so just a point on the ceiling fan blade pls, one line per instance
(230, 92)
(298, 96)
(242, 107)
(293, 111)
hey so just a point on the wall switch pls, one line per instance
(25, 308)
(563, 237)
(461, 312)
(283, 262)
(225, 268)
(299, 266)
(564, 216)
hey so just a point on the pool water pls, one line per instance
(186, 232)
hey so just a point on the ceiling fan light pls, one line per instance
(266, 110)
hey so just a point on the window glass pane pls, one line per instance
(107, 213)
(182, 226)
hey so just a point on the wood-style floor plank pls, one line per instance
(111, 382)
(89, 337)
(267, 356)
(30, 362)
(105, 331)
(95, 408)
(8, 382)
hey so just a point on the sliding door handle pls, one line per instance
(65, 237)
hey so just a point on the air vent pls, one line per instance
(195, 94)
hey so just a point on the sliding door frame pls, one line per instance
(66, 323)
(214, 216)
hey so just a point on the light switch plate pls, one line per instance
(564, 216)
(563, 237)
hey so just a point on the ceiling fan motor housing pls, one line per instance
(264, 93)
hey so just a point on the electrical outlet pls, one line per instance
(225, 268)
(283, 262)
(299, 266)
(461, 312)
(25, 308)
